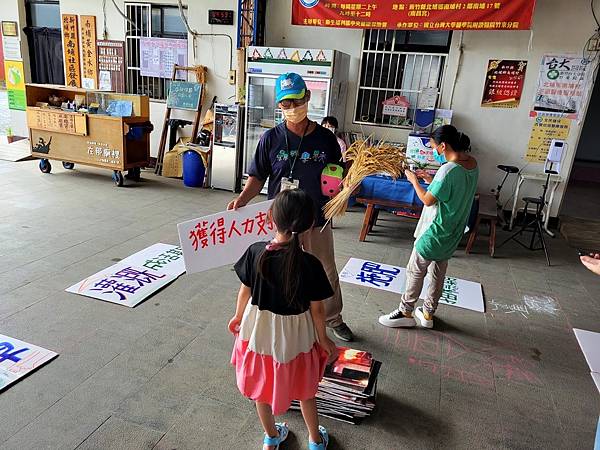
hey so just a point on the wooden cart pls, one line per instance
(97, 140)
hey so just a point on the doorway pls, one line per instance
(580, 211)
(45, 41)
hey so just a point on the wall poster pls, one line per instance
(111, 65)
(546, 126)
(71, 50)
(504, 83)
(159, 55)
(563, 84)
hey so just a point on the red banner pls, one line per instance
(415, 15)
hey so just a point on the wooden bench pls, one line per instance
(488, 212)
(372, 212)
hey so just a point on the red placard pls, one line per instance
(415, 15)
(504, 83)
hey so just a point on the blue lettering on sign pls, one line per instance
(6, 348)
(375, 274)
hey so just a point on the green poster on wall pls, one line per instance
(15, 84)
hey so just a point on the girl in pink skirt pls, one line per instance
(281, 347)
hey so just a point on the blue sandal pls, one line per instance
(282, 434)
(324, 440)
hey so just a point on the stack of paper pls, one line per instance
(348, 390)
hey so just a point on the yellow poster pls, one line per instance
(545, 128)
(15, 84)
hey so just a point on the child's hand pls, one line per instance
(331, 350)
(592, 262)
(234, 325)
(425, 176)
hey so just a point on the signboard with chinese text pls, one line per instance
(18, 358)
(57, 120)
(184, 95)
(71, 50)
(159, 55)
(563, 84)
(457, 292)
(111, 65)
(307, 62)
(415, 15)
(221, 239)
(88, 51)
(546, 126)
(134, 278)
(15, 84)
(504, 83)
(396, 106)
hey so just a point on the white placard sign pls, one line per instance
(134, 278)
(590, 346)
(221, 239)
(18, 358)
(11, 45)
(457, 292)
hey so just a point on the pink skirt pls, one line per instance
(277, 358)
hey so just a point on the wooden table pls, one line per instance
(488, 212)
(372, 212)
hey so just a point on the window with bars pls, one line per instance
(149, 20)
(398, 63)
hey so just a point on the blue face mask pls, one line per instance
(439, 158)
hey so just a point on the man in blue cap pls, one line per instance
(292, 155)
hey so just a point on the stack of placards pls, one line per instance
(348, 389)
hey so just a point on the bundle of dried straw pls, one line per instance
(366, 160)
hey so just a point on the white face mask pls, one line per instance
(297, 114)
(330, 128)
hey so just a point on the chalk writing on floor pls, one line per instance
(542, 304)
(509, 309)
(477, 364)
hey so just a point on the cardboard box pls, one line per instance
(173, 159)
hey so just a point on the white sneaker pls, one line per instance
(396, 319)
(425, 323)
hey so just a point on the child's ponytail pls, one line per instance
(293, 212)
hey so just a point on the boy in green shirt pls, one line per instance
(447, 203)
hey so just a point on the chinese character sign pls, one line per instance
(111, 65)
(71, 50)
(504, 83)
(134, 278)
(457, 292)
(413, 15)
(221, 239)
(18, 358)
(15, 84)
(88, 52)
(546, 126)
(563, 84)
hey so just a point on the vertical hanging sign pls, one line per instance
(88, 52)
(71, 50)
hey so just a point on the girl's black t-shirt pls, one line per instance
(268, 295)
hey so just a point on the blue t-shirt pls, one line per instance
(273, 160)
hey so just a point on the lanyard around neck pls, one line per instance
(287, 145)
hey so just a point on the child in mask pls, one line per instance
(331, 123)
(447, 203)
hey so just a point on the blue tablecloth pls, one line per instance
(385, 188)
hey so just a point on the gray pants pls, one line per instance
(321, 245)
(416, 271)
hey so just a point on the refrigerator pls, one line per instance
(227, 147)
(326, 75)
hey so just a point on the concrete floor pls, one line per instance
(157, 376)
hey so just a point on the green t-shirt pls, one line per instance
(454, 188)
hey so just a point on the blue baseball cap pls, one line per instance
(289, 86)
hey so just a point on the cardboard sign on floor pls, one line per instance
(134, 278)
(590, 346)
(18, 358)
(457, 292)
(221, 239)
